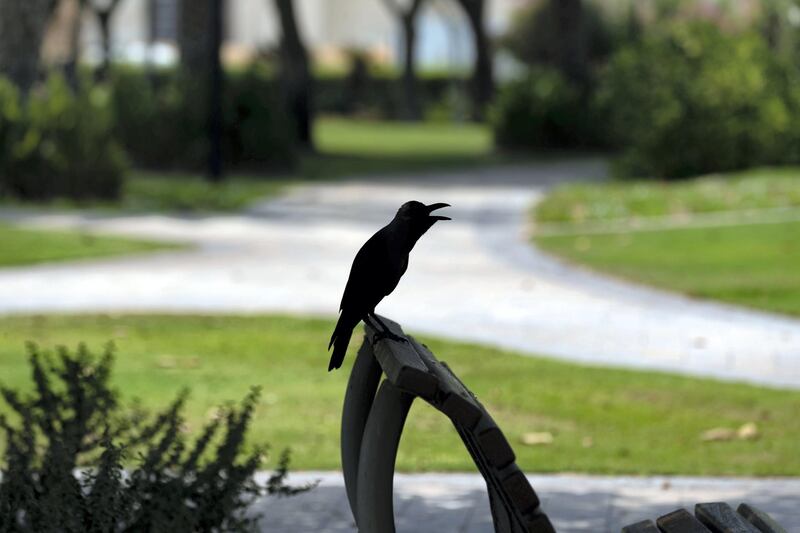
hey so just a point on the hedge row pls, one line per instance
(58, 143)
(684, 100)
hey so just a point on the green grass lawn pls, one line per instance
(20, 246)
(754, 265)
(751, 189)
(603, 420)
(352, 147)
(154, 191)
(415, 140)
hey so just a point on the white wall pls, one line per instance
(444, 38)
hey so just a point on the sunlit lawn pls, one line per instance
(750, 264)
(157, 191)
(341, 136)
(753, 265)
(26, 246)
(751, 189)
(352, 147)
(603, 420)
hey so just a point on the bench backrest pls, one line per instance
(373, 417)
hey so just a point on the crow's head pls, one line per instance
(414, 211)
(419, 216)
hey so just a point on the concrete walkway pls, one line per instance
(443, 503)
(475, 278)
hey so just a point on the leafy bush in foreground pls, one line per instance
(73, 418)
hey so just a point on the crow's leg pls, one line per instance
(385, 332)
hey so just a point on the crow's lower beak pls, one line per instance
(434, 207)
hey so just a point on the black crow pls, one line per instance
(376, 270)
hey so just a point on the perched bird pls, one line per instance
(376, 270)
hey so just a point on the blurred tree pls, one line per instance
(482, 73)
(22, 28)
(215, 118)
(295, 75)
(567, 35)
(407, 17)
(194, 38)
(199, 41)
(103, 11)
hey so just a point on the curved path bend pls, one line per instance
(475, 278)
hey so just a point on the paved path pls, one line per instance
(474, 278)
(444, 503)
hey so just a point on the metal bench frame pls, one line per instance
(372, 423)
(373, 417)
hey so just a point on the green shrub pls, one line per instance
(693, 99)
(537, 37)
(257, 131)
(59, 143)
(545, 111)
(11, 114)
(161, 120)
(73, 418)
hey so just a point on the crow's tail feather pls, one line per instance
(341, 338)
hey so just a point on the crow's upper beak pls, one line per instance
(434, 207)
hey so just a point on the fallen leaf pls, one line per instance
(718, 434)
(748, 431)
(542, 438)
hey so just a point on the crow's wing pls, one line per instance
(374, 274)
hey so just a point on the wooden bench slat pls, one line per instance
(645, 526)
(539, 523)
(402, 365)
(680, 521)
(496, 448)
(720, 517)
(759, 519)
(521, 493)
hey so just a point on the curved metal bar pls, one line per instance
(378, 455)
(358, 399)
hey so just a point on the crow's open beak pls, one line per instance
(434, 207)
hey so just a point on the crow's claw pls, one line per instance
(380, 335)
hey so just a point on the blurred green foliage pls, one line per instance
(561, 45)
(544, 110)
(536, 38)
(160, 118)
(691, 98)
(58, 143)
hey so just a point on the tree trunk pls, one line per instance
(22, 28)
(104, 21)
(194, 40)
(71, 66)
(410, 84)
(574, 54)
(407, 18)
(482, 74)
(215, 122)
(295, 75)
